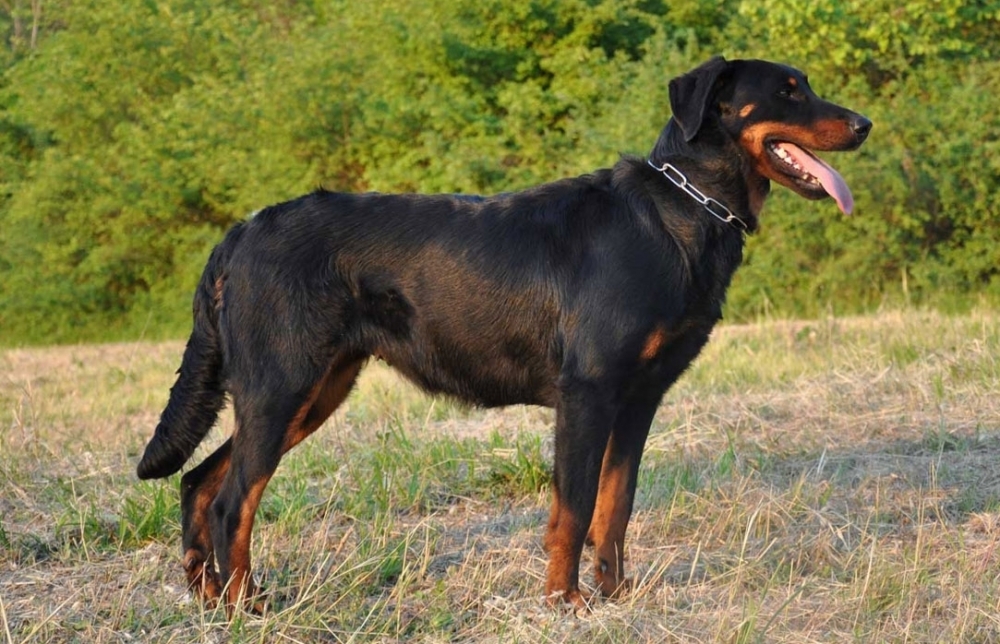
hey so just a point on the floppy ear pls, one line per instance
(689, 94)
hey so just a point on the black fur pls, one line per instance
(198, 395)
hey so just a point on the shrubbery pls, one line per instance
(132, 134)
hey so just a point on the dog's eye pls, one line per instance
(789, 93)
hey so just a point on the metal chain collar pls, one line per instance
(717, 209)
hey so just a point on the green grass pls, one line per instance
(825, 481)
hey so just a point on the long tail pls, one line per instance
(198, 395)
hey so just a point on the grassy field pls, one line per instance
(830, 481)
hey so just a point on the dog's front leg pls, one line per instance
(584, 417)
(616, 492)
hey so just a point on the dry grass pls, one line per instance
(805, 482)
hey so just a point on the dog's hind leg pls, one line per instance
(239, 474)
(336, 384)
(198, 488)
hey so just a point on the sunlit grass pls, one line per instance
(805, 481)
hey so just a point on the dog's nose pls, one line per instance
(861, 127)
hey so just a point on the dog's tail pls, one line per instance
(198, 395)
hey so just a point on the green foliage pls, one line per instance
(925, 228)
(520, 469)
(396, 472)
(875, 40)
(151, 515)
(132, 135)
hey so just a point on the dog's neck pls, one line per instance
(727, 176)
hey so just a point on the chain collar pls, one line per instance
(715, 208)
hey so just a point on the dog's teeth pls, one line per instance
(787, 159)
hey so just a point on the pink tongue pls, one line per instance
(829, 178)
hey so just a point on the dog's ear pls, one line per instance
(690, 93)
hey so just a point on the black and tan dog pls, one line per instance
(589, 295)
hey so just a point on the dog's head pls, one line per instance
(770, 111)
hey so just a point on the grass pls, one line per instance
(828, 481)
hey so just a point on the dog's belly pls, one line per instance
(484, 388)
(438, 320)
(488, 366)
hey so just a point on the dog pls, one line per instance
(589, 295)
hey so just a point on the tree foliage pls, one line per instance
(132, 134)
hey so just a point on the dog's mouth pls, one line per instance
(812, 177)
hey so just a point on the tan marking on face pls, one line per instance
(823, 135)
(792, 81)
(828, 134)
(747, 110)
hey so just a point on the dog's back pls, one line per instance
(473, 297)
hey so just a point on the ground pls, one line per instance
(822, 481)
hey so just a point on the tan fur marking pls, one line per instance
(325, 397)
(201, 571)
(823, 135)
(220, 281)
(561, 585)
(653, 344)
(241, 583)
(202, 579)
(607, 529)
(747, 110)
